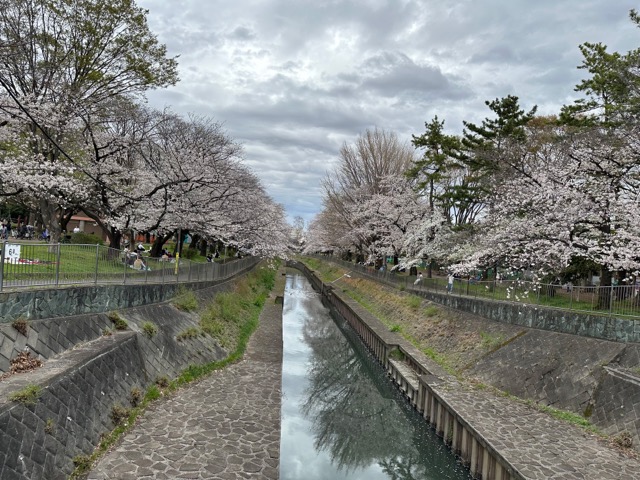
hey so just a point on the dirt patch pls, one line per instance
(24, 362)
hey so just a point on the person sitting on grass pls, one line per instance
(138, 264)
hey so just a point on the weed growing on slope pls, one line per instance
(118, 322)
(149, 329)
(28, 395)
(185, 300)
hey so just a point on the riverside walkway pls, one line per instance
(227, 426)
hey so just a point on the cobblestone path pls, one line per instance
(539, 446)
(225, 427)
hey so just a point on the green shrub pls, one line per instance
(28, 395)
(153, 393)
(86, 239)
(190, 332)
(489, 341)
(414, 302)
(149, 329)
(431, 311)
(189, 253)
(395, 328)
(119, 414)
(82, 463)
(118, 322)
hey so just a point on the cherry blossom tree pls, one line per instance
(579, 197)
(61, 61)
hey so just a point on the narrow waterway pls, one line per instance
(341, 418)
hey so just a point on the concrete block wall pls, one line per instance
(86, 373)
(46, 338)
(49, 336)
(550, 319)
(40, 441)
(162, 353)
(617, 404)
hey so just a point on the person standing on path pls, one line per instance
(419, 279)
(450, 281)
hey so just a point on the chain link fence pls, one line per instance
(25, 265)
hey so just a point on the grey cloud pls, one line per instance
(294, 80)
(392, 74)
(242, 33)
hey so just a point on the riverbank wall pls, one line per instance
(92, 372)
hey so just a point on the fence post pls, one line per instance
(571, 297)
(189, 275)
(611, 301)
(126, 259)
(97, 255)
(58, 265)
(178, 267)
(2, 254)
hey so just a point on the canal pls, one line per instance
(341, 417)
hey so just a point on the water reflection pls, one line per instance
(340, 416)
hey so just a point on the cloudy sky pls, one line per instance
(292, 80)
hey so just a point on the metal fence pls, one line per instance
(615, 300)
(24, 265)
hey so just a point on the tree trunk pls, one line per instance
(203, 247)
(604, 291)
(51, 221)
(158, 243)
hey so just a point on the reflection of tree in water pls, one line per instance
(355, 417)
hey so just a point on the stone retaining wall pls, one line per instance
(78, 300)
(40, 441)
(86, 374)
(50, 336)
(617, 329)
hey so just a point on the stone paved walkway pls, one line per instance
(539, 446)
(225, 427)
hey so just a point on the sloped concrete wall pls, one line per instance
(40, 441)
(85, 375)
(555, 369)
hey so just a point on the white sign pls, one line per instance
(12, 253)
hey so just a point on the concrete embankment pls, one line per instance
(86, 375)
(499, 438)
